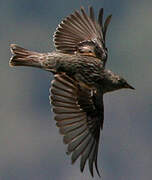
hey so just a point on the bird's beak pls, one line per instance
(129, 86)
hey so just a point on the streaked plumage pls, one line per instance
(80, 80)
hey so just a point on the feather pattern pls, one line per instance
(79, 29)
(78, 117)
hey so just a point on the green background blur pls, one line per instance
(30, 145)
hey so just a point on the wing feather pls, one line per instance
(78, 117)
(79, 30)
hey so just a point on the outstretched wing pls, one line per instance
(79, 115)
(82, 33)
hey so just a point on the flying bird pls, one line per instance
(80, 81)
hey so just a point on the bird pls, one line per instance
(80, 81)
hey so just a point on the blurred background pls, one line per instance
(30, 146)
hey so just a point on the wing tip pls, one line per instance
(81, 19)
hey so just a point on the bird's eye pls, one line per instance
(122, 81)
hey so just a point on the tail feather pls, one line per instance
(24, 57)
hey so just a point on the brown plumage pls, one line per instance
(80, 80)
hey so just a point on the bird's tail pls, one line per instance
(24, 57)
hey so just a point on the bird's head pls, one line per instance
(122, 83)
(115, 82)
